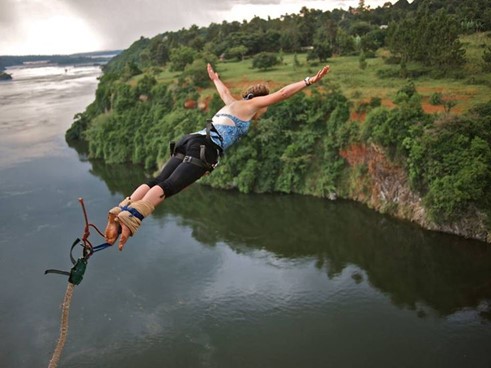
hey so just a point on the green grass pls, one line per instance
(361, 85)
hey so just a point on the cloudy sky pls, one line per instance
(70, 26)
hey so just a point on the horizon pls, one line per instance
(57, 27)
(71, 54)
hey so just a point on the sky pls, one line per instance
(43, 27)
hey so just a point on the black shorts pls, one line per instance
(176, 174)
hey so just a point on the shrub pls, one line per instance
(180, 57)
(436, 99)
(265, 60)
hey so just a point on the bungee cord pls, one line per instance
(75, 277)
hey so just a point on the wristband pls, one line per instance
(307, 81)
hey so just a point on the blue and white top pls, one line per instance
(229, 133)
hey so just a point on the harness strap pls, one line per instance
(134, 212)
(211, 128)
(201, 162)
(100, 247)
(202, 156)
(59, 272)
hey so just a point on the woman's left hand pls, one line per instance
(320, 74)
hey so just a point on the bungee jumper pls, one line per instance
(197, 154)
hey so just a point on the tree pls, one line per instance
(432, 39)
(373, 40)
(440, 35)
(345, 43)
(145, 85)
(360, 28)
(181, 56)
(237, 52)
(125, 98)
(265, 60)
(196, 72)
(322, 48)
(321, 51)
(290, 40)
(159, 52)
(401, 38)
(130, 70)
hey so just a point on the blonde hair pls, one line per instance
(255, 91)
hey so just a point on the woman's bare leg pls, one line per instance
(140, 192)
(155, 195)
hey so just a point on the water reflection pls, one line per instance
(412, 266)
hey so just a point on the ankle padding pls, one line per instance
(117, 210)
(132, 215)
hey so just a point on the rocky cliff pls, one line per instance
(384, 186)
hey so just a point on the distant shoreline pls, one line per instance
(90, 58)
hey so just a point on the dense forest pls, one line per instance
(433, 168)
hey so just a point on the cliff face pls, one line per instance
(384, 186)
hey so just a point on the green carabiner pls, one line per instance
(77, 271)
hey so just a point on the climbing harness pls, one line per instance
(201, 161)
(75, 277)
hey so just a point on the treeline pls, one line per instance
(296, 148)
(398, 27)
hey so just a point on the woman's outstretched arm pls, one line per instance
(223, 91)
(288, 91)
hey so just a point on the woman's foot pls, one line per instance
(113, 228)
(131, 218)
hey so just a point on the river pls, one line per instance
(216, 278)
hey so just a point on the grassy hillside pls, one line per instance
(360, 85)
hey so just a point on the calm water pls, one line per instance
(215, 278)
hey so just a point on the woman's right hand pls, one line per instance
(211, 73)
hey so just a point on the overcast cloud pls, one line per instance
(68, 26)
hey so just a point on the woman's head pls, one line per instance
(255, 91)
